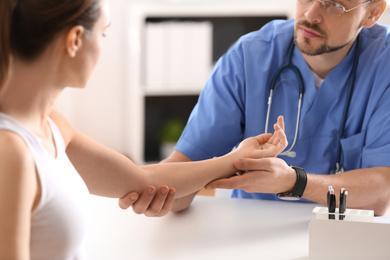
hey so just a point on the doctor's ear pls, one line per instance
(374, 12)
(73, 40)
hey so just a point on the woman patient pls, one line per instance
(47, 168)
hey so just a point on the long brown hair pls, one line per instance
(28, 26)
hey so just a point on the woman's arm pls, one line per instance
(149, 206)
(19, 195)
(108, 173)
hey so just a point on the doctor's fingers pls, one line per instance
(162, 203)
(269, 164)
(255, 181)
(235, 182)
(150, 203)
(128, 200)
(133, 199)
(155, 204)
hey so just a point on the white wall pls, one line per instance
(97, 110)
(385, 19)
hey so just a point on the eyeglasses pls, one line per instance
(333, 8)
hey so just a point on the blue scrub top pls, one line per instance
(233, 103)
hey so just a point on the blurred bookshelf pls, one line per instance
(172, 48)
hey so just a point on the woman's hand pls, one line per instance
(263, 172)
(151, 203)
(265, 145)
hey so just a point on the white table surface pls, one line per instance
(212, 228)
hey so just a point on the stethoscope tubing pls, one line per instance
(289, 65)
(339, 167)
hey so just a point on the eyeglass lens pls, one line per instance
(331, 8)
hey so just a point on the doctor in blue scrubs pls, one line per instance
(329, 71)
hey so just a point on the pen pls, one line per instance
(343, 202)
(331, 203)
(328, 195)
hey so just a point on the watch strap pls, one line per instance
(301, 182)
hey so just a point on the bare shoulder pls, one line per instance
(13, 148)
(19, 192)
(17, 166)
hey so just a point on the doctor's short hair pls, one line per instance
(27, 27)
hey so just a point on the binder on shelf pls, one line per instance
(178, 55)
(155, 45)
(202, 58)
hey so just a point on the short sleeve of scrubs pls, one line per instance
(216, 122)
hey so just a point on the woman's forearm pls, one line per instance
(190, 177)
(110, 174)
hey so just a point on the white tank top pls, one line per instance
(58, 223)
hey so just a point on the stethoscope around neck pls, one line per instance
(289, 65)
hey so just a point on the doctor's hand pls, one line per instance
(151, 203)
(265, 175)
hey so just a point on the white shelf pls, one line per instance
(137, 13)
(215, 8)
(186, 92)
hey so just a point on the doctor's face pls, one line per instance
(318, 32)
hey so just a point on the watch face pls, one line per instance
(288, 196)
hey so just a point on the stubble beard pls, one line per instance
(309, 50)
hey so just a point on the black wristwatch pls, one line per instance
(299, 187)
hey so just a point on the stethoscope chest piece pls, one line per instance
(339, 169)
